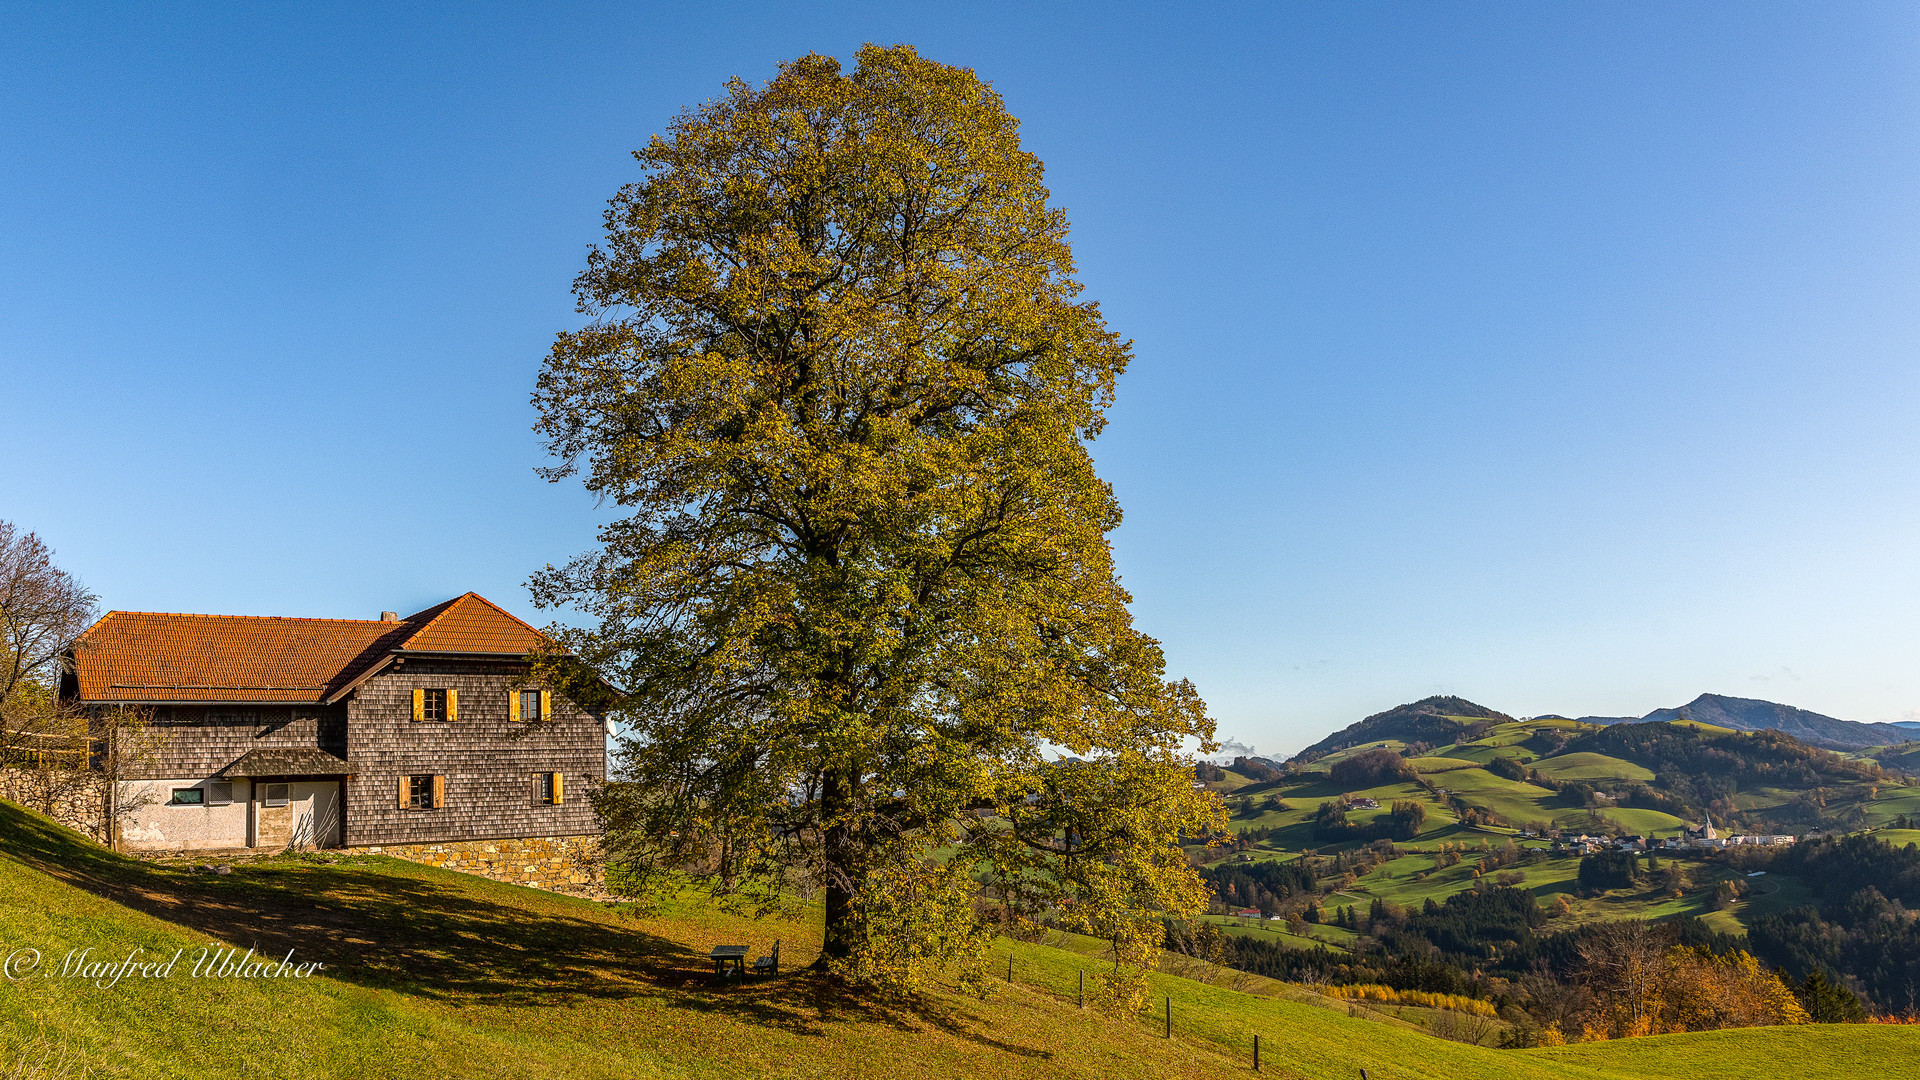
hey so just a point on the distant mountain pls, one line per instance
(1750, 714)
(1429, 720)
(1913, 725)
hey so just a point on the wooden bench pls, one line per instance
(768, 965)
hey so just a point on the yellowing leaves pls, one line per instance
(839, 379)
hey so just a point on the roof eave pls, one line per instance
(200, 701)
(354, 683)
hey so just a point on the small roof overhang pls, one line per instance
(290, 761)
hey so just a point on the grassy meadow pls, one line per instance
(430, 972)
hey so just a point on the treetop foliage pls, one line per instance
(1370, 768)
(838, 375)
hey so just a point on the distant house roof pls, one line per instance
(141, 656)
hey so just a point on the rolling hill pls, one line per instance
(1434, 720)
(1752, 714)
(1693, 764)
(1366, 845)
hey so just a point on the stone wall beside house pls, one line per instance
(564, 864)
(76, 800)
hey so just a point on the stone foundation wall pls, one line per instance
(565, 864)
(76, 800)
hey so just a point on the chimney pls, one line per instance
(389, 616)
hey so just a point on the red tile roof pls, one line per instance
(472, 623)
(154, 656)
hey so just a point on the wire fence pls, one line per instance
(1081, 990)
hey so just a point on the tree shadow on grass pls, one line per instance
(806, 1002)
(391, 925)
(400, 931)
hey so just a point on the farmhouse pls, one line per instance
(421, 736)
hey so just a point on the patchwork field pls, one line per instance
(1283, 809)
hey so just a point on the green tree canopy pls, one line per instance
(838, 376)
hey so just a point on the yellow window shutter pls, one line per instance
(546, 705)
(453, 705)
(559, 789)
(513, 705)
(439, 792)
(406, 789)
(419, 705)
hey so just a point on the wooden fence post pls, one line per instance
(1256, 1053)
(1009, 967)
(1169, 1016)
(1083, 988)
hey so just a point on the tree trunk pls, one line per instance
(838, 938)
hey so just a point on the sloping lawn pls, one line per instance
(431, 973)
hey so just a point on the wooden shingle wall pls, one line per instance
(489, 762)
(195, 741)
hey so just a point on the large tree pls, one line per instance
(43, 608)
(838, 376)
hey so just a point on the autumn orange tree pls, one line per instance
(861, 608)
(1644, 985)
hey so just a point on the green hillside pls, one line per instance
(1432, 721)
(436, 973)
(1587, 766)
(1518, 778)
(1438, 764)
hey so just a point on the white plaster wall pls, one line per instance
(316, 813)
(151, 823)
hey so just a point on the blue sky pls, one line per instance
(1558, 356)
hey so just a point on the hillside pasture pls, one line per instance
(1643, 822)
(1889, 803)
(1515, 800)
(1589, 767)
(1324, 763)
(1429, 765)
(1480, 753)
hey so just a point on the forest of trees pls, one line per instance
(1370, 768)
(1761, 758)
(1865, 923)
(1599, 981)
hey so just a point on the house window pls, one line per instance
(274, 794)
(189, 796)
(423, 792)
(549, 788)
(442, 705)
(219, 794)
(530, 705)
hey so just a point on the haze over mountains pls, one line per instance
(1431, 720)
